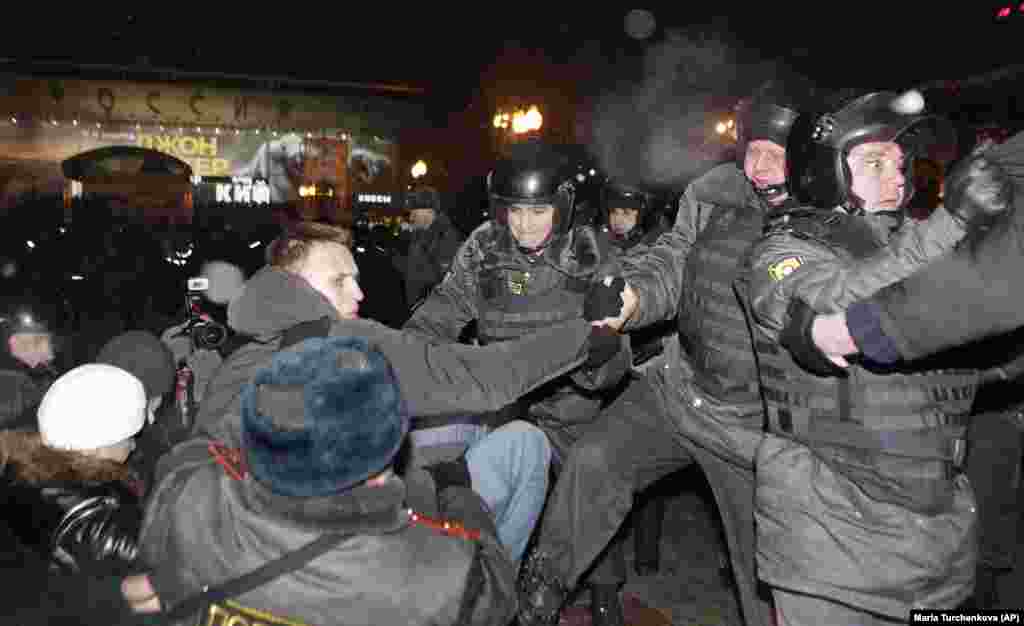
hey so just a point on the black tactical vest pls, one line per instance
(898, 434)
(712, 328)
(521, 293)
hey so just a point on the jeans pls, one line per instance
(509, 468)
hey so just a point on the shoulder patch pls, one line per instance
(784, 268)
(445, 527)
(231, 612)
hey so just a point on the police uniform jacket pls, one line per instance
(724, 417)
(879, 529)
(511, 294)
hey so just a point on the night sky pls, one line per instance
(654, 95)
(447, 50)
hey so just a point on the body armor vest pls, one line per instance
(521, 292)
(898, 434)
(712, 328)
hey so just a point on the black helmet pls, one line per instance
(618, 195)
(820, 143)
(769, 114)
(615, 195)
(422, 197)
(25, 314)
(534, 174)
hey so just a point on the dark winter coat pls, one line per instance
(410, 555)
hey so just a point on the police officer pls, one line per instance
(28, 329)
(862, 511)
(631, 218)
(966, 296)
(629, 214)
(994, 441)
(527, 268)
(701, 405)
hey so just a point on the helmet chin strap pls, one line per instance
(538, 248)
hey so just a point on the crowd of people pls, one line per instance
(796, 334)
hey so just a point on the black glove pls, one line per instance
(603, 344)
(454, 473)
(977, 192)
(604, 300)
(796, 337)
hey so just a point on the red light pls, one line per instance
(1004, 12)
(1021, 7)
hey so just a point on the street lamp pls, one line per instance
(419, 169)
(520, 122)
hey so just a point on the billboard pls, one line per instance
(31, 154)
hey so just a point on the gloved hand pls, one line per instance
(454, 473)
(603, 344)
(604, 299)
(977, 192)
(796, 337)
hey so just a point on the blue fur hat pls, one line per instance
(325, 415)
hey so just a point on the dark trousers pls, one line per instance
(632, 444)
(994, 469)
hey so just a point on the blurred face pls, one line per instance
(531, 225)
(331, 270)
(32, 349)
(421, 218)
(622, 220)
(876, 169)
(765, 165)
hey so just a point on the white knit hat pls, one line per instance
(92, 406)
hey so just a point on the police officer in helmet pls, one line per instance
(701, 404)
(630, 215)
(28, 329)
(862, 509)
(523, 270)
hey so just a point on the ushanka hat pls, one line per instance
(325, 415)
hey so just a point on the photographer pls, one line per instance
(199, 346)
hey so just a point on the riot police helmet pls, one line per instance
(768, 114)
(534, 173)
(24, 314)
(621, 195)
(820, 143)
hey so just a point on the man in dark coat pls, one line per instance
(312, 279)
(433, 244)
(321, 426)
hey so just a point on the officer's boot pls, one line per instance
(541, 593)
(648, 513)
(606, 606)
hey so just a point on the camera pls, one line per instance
(205, 333)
